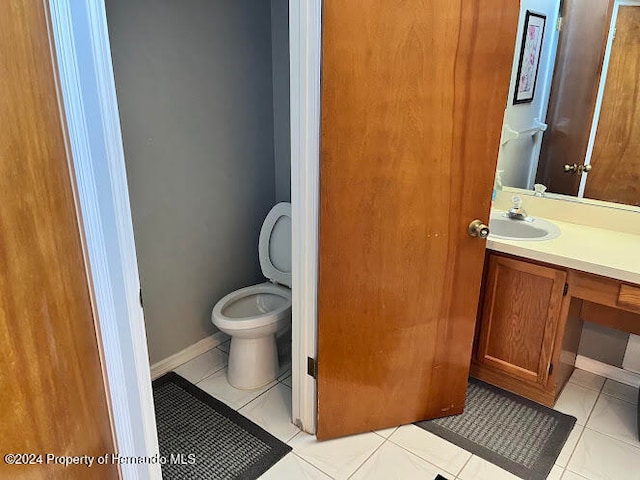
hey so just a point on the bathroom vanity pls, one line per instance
(536, 295)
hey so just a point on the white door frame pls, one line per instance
(305, 32)
(79, 31)
(80, 35)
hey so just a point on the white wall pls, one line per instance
(519, 158)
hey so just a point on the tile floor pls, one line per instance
(603, 444)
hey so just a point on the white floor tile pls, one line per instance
(391, 461)
(555, 473)
(217, 386)
(338, 458)
(287, 381)
(293, 467)
(600, 457)
(572, 476)
(385, 432)
(621, 391)
(225, 346)
(203, 365)
(479, 469)
(577, 401)
(272, 411)
(587, 379)
(431, 448)
(569, 446)
(616, 418)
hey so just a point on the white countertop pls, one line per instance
(594, 250)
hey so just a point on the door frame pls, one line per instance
(79, 33)
(82, 50)
(305, 47)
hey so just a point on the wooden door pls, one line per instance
(52, 389)
(581, 46)
(615, 176)
(520, 316)
(413, 96)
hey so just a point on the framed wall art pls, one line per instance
(532, 37)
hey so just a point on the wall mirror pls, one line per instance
(572, 121)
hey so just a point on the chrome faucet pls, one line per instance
(516, 212)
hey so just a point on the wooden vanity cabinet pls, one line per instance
(530, 320)
(522, 312)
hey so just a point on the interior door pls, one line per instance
(583, 38)
(52, 389)
(413, 96)
(615, 160)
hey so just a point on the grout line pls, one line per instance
(465, 464)
(371, 455)
(287, 442)
(574, 447)
(314, 466)
(382, 436)
(584, 427)
(627, 442)
(635, 404)
(275, 383)
(209, 375)
(429, 462)
(593, 407)
(574, 473)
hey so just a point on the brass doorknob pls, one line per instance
(478, 229)
(575, 168)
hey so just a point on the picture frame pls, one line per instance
(529, 61)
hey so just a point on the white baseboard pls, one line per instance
(163, 366)
(609, 371)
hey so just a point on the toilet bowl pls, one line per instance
(252, 316)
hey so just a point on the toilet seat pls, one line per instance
(252, 307)
(274, 244)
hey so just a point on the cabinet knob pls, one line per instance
(478, 229)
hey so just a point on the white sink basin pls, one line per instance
(531, 229)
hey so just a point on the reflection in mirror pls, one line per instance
(579, 133)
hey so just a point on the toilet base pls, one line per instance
(253, 362)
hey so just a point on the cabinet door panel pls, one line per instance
(520, 317)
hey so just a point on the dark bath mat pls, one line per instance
(208, 440)
(512, 432)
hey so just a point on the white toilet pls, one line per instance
(253, 315)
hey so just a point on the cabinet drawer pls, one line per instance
(629, 296)
(605, 291)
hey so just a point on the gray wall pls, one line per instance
(194, 84)
(281, 111)
(604, 344)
